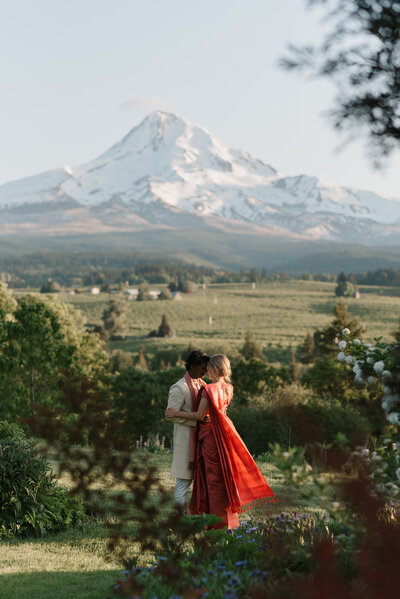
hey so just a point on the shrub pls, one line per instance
(32, 503)
(293, 415)
(255, 377)
(140, 399)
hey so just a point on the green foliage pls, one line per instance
(121, 360)
(257, 556)
(8, 302)
(164, 330)
(292, 415)
(10, 430)
(325, 340)
(250, 348)
(344, 289)
(331, 379)
(33, 356)
(114, 319)
(165, 295)
(140, 399)
(31, 502)
(255, 377)
(50, 286)
(307, 352)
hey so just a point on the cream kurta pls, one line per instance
(180, 399)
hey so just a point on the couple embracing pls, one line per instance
(207, 447)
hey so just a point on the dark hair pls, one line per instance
(196, 358)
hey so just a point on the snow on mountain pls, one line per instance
(166, 168)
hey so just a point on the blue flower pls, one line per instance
(241, 563)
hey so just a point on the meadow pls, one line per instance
(278, 314)
(75, 564)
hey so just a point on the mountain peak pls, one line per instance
(167, 170)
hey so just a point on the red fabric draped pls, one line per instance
(244, 484)
(193, 431)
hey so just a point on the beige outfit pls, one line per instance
(180, 399)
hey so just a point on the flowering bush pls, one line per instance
(372, 364)
(256, 553)
(379, 364)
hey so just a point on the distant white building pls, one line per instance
(131, 293)
(153, 294)
(95, 290)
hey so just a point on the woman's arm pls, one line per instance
(203, 407)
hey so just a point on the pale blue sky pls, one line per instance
(76, 75)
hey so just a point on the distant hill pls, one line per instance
(206, 248)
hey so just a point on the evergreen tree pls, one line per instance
(142, 359)
(307, 353)
(250, 348)
(114, 319)
(345, 289)
(325, 340)
(164, 330)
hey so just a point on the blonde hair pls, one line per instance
(220, 365)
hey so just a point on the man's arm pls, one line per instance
(176, 400)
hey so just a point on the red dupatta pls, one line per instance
(193, 429)
(245, 485)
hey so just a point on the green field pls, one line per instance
(75, 564)
(277, 313)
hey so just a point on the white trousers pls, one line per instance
(181, 490)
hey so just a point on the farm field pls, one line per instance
(279, 314)
(74, 564)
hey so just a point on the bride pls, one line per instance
(227, 481)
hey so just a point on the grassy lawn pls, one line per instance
(75, 564)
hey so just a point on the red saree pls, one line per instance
(227, 481)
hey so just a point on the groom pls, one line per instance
(180, 398)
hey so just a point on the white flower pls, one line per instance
(388, 401)
(365, 452)
(349, 359)
(370, 360)
(393, 418)
(368, 345)
(358, 379)
(386, 374)
(371, 380)
(392, 489)
(386, 389)
(379, 366)
(342, 345)
(346, 332)
(341, 356)
(356, 369)
(356, 342)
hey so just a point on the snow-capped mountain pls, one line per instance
(168, 172)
